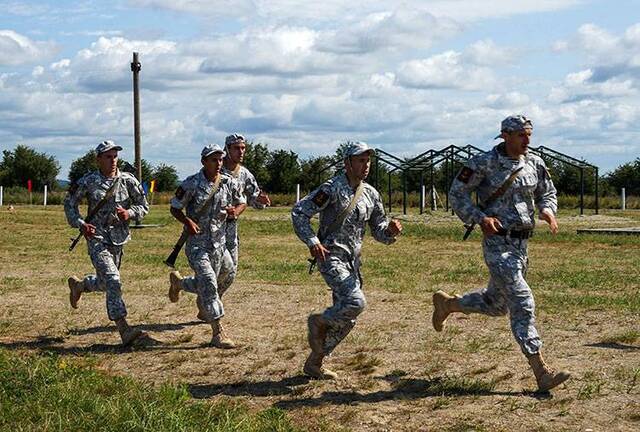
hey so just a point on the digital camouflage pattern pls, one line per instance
(341, 269)
(105, 248)
(205, 251)
(250, 190)
(506, 257)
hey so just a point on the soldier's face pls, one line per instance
(358, 166)
(236, 151)
(212, 164)
(108, 161)
(517, 142)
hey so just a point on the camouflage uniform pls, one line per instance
(505, 255)
(250, 190)
(105, 248)
(205, 251)
(341, 268)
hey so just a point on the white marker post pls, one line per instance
(297, 192)
(624, 199)
(423, 194)
(45, 195)
(1, 195)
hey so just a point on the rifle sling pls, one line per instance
(108, 194)
(323, 234)
(214, 190)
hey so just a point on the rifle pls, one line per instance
(492, 198)
(171, 259)
(94, 211)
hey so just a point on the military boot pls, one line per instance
(175, 286)
(443, 305)
(220, 339)
(128, 334)
(317, 332)
(545, 376)
(76, 288)
(313, 367)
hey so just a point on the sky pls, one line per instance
(304, 76)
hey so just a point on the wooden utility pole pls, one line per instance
(135, 68)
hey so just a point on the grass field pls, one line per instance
(62, 369)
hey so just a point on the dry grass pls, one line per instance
(396, 373)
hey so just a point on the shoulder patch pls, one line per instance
(179, 192)
(320, 198)
(465, 174)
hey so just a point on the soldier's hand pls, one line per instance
(550, 218)
(192, 227)
(490, 225)
(319, 252)
(394, 228)
(88, 230)
(264, 199)
(123, 214)
(232, 212)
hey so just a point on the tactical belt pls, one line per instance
(521, 234)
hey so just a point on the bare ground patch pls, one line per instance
(396, 372)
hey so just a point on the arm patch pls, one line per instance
(180, 192)
(465, 174)
(320, 198)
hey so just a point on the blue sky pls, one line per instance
(404, 76)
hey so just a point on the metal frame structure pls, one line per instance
(454, 157)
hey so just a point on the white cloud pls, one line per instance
(447, 70)
(17, 49)
(331, 10)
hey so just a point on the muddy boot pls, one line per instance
(545, 376)
(313, 367)
(317, 332)
(76, 288)
(220, 339)
(175, 286)
(128, 334)
(443, 305)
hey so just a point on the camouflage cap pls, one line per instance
(210, 149)
(233, 138)
(107, 145)
(514, 123)
(357, 148)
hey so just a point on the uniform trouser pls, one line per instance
(230, 262)
(206, 264)
(508, 291)
(106, 260)
(343, 277)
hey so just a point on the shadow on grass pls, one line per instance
(53, 345)
(248, 388)
(614, 345)
(403, 389)
(144, 327)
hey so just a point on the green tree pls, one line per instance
(256, 159)
(284, 169)
(83, 165)
(626, 176)
(25, 163)
(314, 171)
(166, 177)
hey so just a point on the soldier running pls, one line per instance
(209, 198)
(120, 198)
(507, 221)
(346, 205)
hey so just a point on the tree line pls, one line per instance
(278, 171)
